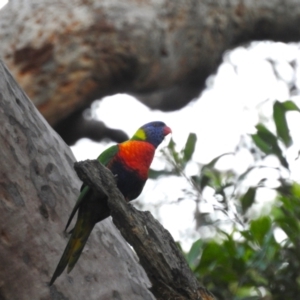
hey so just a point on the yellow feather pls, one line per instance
(140, 134)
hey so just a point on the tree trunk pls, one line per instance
(38, 188)
(67, 53)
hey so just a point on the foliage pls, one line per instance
(249, 260)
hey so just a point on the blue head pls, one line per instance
(153, 132)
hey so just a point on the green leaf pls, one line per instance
(282, 129)
(212, 163)
(290, 106)
(171, 144)
(244, 292)
(230, 246)
(213, 178)
(290, 226)
(189, 147)
(208, 175)
(202, 180)
(247, 235)
(243, 175)
(154, 174)
(212, 253)
(256, 277)
(260, 227)
(266, 141)
(193, 255)
(261, 144)
(266, 135)
(248, 199)
(296, 189)
(173, 152)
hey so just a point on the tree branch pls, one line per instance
(66, 54)
(161, 258)
(78, 126)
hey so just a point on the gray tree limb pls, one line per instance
(67, 53)
(38, 189)
(158, 253)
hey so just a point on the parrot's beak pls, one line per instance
(167, 130)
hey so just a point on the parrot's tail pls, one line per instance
(79, 236)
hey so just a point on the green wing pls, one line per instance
(84, 191)
(107, 155)
(104, 158)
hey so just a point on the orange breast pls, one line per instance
(137, 155)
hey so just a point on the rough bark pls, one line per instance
(38, 188)
(158, 253)
(67, 53)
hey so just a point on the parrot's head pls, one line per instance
(153, 132)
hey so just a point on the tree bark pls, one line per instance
(69, 52)
(38, 188)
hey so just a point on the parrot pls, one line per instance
(129, 162)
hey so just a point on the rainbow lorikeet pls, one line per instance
(129, 162)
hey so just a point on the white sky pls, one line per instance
(225, 110)
(2, 3)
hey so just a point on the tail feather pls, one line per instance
(77, 247)
(72, 252)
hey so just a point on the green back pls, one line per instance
(108, 154)
(103, 158)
